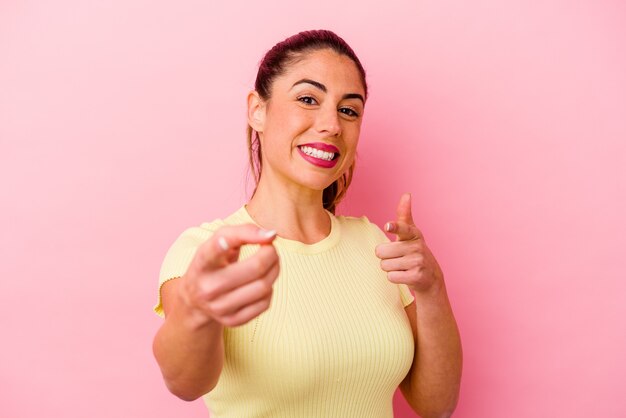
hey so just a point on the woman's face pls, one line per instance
(312, 121)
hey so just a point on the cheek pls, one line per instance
(288, 115)
(351, 136)
(349, 158)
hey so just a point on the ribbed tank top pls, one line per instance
(335, 341)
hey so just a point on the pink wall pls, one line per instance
(121, 123)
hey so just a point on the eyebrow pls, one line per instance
(325, 90)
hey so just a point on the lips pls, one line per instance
(315, 160)
(321, 146)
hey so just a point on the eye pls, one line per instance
(349, 112)
(310, 100)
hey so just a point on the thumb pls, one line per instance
(403, 211)
(403, 227)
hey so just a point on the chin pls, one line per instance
(319, 185)
(316, 185)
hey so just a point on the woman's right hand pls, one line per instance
(217, 287)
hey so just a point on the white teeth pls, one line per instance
(323, 155)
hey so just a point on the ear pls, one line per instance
(256, 111)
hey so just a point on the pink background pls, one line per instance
(122, 123)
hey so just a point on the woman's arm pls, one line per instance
(216, 291)
(190, 353)
(433, 382)
(432, 385)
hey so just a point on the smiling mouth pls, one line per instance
(319, 154)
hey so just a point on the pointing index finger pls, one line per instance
(223, 247)
(238, 235)
(403, 231)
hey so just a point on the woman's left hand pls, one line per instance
(408, 260)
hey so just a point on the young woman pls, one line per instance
(283, 309)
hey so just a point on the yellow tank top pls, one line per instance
(335, 341)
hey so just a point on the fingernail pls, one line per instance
(222, 243)
(388, 227)
(267, 233)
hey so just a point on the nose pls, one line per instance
(328, 122)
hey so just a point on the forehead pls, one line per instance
(335, 71)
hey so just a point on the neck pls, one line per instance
(295, 212)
